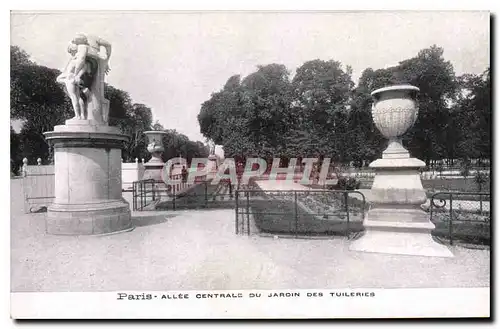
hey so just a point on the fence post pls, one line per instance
(451, 219)
(141, 187)
(173, 197)
(432, 205)
(25, 167)
(481, 204)
(153, 189)
(236, 211)
(248, 213)
(347, 212)
(296, 213)
(134, 196)
(206, 194)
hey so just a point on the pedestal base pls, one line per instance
(154, 171)
(88, 185)
(395, 223)
(89, 219)
(400, 243)
(401, 232)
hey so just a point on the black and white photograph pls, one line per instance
(250, 164)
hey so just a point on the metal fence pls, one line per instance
(462, 216)
(299, 212)
(145, 192)
(201, 194)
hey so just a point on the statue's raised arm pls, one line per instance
(103, 43)
(103, 49)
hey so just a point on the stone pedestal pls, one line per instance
(88, 187)
(153, 169)
(395, 223)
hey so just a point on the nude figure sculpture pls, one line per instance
(83, 77)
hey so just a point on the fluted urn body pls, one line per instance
(394, 111)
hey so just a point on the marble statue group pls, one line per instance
(83, 77)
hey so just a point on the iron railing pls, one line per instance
(144, 192)
(201, 194)
(462, 216)
(299, 212)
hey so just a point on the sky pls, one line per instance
(172, 62)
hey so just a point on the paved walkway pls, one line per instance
(188, 250)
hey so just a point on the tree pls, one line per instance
(321, 91)
(250, 117)
(179, 145)
(37, 100)
(15, 151)
(435, 77)
(139, 118)
(472, 114)
(266, 107)
(19, 57)
(320, 113)
(120, 106)
(158, 126)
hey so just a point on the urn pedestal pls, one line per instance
(88, 187)
(153, 169)
(395, 223)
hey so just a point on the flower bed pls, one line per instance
(304, 212)
(466, 227)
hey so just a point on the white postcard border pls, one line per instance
(236, 304)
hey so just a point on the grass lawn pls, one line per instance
(283, 217)
(455, 184)
(313, 214)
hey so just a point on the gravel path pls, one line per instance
(186, 250)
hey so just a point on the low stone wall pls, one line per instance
(131, 172)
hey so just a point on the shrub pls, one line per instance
(480, 179)
(345, 183)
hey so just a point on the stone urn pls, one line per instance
(394, 111)
(155, 146)
(153, 169)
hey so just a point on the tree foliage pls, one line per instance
(320, 112)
